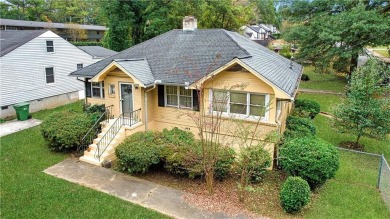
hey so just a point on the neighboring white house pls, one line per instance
(35, 65)
(259, 32)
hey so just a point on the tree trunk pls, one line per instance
(354, 62)
(209, 175)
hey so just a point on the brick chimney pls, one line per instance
(190, 23)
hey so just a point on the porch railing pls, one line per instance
(95, 129)
(129, 119)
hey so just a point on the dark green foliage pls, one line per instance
(365, 111)
(300, 127)
(309, 107)
(336, 30)
(86, 43)
(286, 51)
(305, 77)
(182, 154)
(312, 159)
(139, 151)
(253, 161)
(96, 108)
(63, 131)
(295, 194)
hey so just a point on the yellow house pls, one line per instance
(169, 80)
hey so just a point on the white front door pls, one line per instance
(126, 97)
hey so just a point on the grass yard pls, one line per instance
(327, 82)
(352, 193)
(27, 192)
(326, 101)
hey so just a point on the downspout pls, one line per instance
(85, 89)
(146, 103)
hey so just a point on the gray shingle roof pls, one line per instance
(12, 39)
(139, 68)
(98, 51)
(279, 70)
(22, 23)
(179, 57)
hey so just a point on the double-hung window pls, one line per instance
(97, 89)
(178, 96)
(49, 46)
(241, 104)
(49, 74)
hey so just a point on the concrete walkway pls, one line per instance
(15, 126)
(163, 199)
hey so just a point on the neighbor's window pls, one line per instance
(80, 66)
(178, 96)
(97, 89)
(239, 103)
(49, 75)
(49, 46)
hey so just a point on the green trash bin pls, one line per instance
(22, 110)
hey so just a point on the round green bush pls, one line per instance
(305, 77)
(312, 159)
(299, 127)
(304, 106)
(139, 151)
(63, 131)
(254, 161)
(295, 194)
(186, 159)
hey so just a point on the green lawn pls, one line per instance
(326, 101)
(328, 82)
(382, 52)
(352, 193)
(27, 192)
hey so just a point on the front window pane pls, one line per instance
(238, 108)
(257, 111)
(96, 89)
(238, 98)
(49, 46)
(185, 97)
(220, 99)
(171, 95)
(257, 99)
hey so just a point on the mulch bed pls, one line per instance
(352, 145)
(263, 202)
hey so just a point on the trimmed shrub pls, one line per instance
(254, 160)
(139, 151)
(305, 77)
(63, 131)
(298, 127)
(295, 194)
(186, 159)
(309, 107)
(96, 108)
(312, 159)
(178, 137)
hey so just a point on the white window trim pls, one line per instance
(54, 75)
(242, 116)
(178, 98)
(54, 49)
(101, 90)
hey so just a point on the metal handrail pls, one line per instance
(132, 118)
(107, 138)
(95, 129)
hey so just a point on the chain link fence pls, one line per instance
(384, 180)
(383, 176)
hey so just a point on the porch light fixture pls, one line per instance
(136, 86)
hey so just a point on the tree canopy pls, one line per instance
(336, 31)
(366, 110)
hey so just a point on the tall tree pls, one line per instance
(266, 12)
(366, 110)
(336, 31)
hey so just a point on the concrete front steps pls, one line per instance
(109, 153)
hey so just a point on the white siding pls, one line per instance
(22, 76)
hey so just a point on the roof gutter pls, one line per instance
(298, 82)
